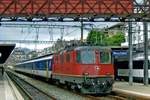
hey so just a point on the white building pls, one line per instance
(137, 37)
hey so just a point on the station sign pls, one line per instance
(119, 53)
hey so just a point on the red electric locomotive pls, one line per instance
(85, 68)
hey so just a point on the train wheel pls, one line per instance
(56, 82)
(68, 85)
(72, 86)
(76, 88)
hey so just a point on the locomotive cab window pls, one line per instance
(86, 57)
(78, 57)
(105, 57)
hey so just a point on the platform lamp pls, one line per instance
(76, 19)
(61, 19)
(0, 54)
(13, 19)
(29, 19)
(91, 19)
(45, 19)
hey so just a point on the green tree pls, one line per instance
(116, 39)
(101, 38)
(96, 37)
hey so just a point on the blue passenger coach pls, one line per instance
(40, 66)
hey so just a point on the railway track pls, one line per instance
(107, 97)
(116, 97)
(31, 92)
(112, 96)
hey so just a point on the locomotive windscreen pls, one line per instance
(88, 56)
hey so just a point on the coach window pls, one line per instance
(30, 66)
(42, 65)
(61, 59)
(68, 57)
(105, 57)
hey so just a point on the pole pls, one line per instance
(130, 55)
(138, 37)
(81, 30)
(145, 53)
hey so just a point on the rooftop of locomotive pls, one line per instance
(83, 46)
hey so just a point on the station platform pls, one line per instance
(7, 90)
(137, 91)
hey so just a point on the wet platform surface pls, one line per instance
(137, 89)
(6, 92)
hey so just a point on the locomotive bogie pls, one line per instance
(87, 85)
(98, 85)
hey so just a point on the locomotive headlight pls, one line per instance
(93, 83)
(98, 82)
(104, 83)
(97, 68)
(86, 74)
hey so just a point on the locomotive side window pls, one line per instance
(78, 57)
(68, 57)
(86, 57)
(105, 57)
(61, 59)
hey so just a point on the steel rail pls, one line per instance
(30, 90)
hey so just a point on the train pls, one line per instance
(88, 69)
(122, 69)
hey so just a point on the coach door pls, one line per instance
(47, 69)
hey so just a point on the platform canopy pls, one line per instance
(5, 51)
